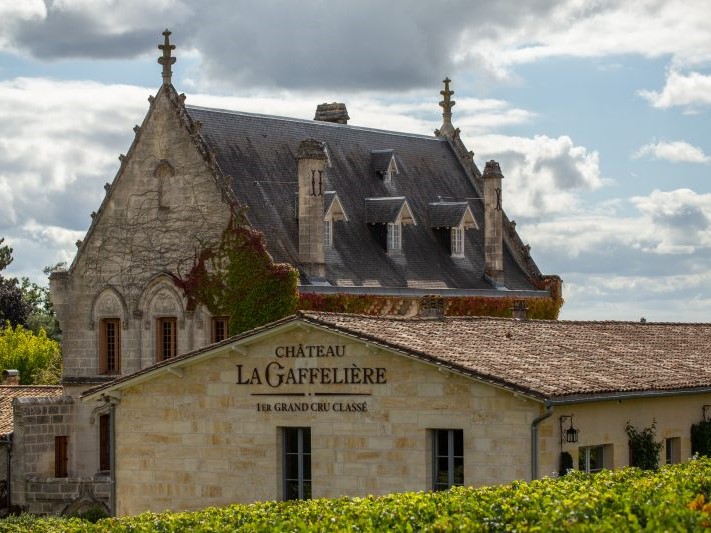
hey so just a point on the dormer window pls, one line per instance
(384, 164)
(333, 210)
(385, 217)
(449, 220)
(328, 234)
(394, 237)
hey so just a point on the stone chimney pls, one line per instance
(432, 306)
(519, 310)
(493, 230)
(311, 162)
(10, 377)
(334, 112)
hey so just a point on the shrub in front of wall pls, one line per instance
(644, 449)
(701, 438)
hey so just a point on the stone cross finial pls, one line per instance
(447, 104)
(166, 60)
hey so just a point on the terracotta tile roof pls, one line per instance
(556, 361)
(9, 393)
(549, 359)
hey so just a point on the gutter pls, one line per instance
(407, 291)
(534, 439)
(631, 395)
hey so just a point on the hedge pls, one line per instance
(669, 499)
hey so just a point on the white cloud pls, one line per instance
(59, 143)
(618, 264)
(597, 29)
(674, 151)
(543, 175)
(690, 91)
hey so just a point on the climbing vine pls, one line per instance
(236, 277)
(644, 449)
(701, 438)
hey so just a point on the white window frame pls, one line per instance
(585, 454)
(328, 234)
(394, 237)
(457, 241)
(672, 450)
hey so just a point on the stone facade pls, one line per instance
(195, 437)
(603, 424)
(162, 204)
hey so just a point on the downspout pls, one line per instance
(112, 456)
(112, 401)
(534, 439)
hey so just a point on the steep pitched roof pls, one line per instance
(552, 361)
(8, 393)
(258, 153)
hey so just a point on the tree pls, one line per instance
(37, 357)
(5, 255)
(13, 307)
(24, 302)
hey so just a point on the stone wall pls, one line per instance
(66, 495)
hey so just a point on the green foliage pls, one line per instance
(644, 449)
(5, 254)
(237, 277)
(361, 304)
(612, 500)
(701, 438)
(566, 463)
(41, 315)
(37, 357)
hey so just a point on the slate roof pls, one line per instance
(549, 360)
(556, 360)
(10, 392)
(258, 153)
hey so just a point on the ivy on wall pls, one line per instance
(236, 277)
(644, 449)
(538, 308)
(701, 438)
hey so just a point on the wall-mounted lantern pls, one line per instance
(569, 435)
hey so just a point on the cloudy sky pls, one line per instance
(597, 111)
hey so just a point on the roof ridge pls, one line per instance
(314, 122)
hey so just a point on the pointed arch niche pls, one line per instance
(162, 311)
(164, 173)
(108, 321)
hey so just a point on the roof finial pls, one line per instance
(446, 104)
(166, 60)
